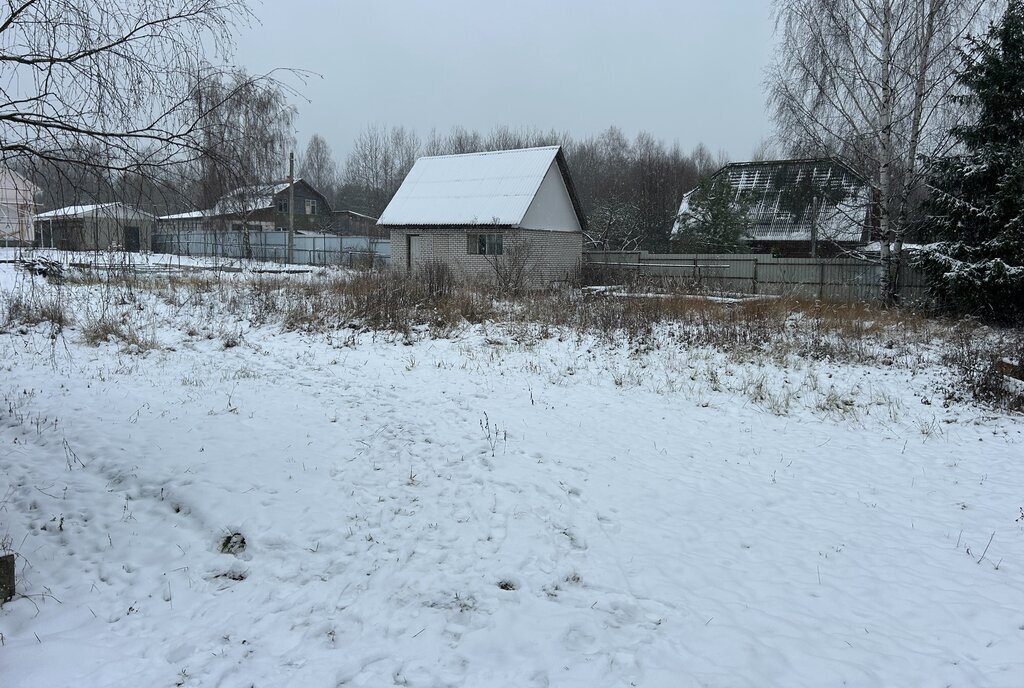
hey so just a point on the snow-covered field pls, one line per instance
(498, 507)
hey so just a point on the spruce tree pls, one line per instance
(715, 220)
(978, 193)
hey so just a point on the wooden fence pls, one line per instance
(834, 279)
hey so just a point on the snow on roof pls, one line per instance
(71, 211)
(249, 198)
(876, 247)
(492, 188)
(352, 212)
(115, 209)
(192, 215)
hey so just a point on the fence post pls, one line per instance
(821, 279)
(754, 279)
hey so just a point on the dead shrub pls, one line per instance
(983, 359)
(106, 327)
(22, 309)
(514, 269)
(437, 280)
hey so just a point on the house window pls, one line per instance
(282, 206)
(484, 244)
(311, 206)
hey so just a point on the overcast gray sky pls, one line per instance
(684, 70)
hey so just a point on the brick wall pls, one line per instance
(548, 256)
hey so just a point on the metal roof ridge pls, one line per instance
(493, 152)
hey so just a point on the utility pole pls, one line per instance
(291, 207)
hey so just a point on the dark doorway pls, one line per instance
(132, 241)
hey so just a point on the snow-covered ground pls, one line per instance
(496, 508)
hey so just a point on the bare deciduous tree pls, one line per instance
(107, 84)
(614, 224)
(378, 163)
(244, 132)
(318, 166)
(867, 81)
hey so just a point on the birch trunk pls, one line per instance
(885, 149)
(926, 37)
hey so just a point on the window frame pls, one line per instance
(485, 243)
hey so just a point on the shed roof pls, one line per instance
(115, 210)
(492, 188)
(353, 213)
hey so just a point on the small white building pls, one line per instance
(17, 207)
(98, 226)
(494, 215)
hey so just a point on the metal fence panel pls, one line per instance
(838, 279)
(307, 249)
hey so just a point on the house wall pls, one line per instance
(801, 249)
(319, 221)
(552, 256)
(17, 207)
(552, 208)
(92, 234)
(16, 223)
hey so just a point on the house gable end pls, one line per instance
(304, 190)
(552, 207)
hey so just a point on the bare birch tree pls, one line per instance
(244, 131)
(867, 81)
(107, 84)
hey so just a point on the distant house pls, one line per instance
(17, 207)
(266, 207)
(260, 208)
(95, 227)
(798, 207)
(485, 212)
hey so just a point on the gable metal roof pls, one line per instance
(492, 188)
(842, 212)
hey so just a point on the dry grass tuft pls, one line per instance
(32, 309)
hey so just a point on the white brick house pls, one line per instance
(485, 213)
